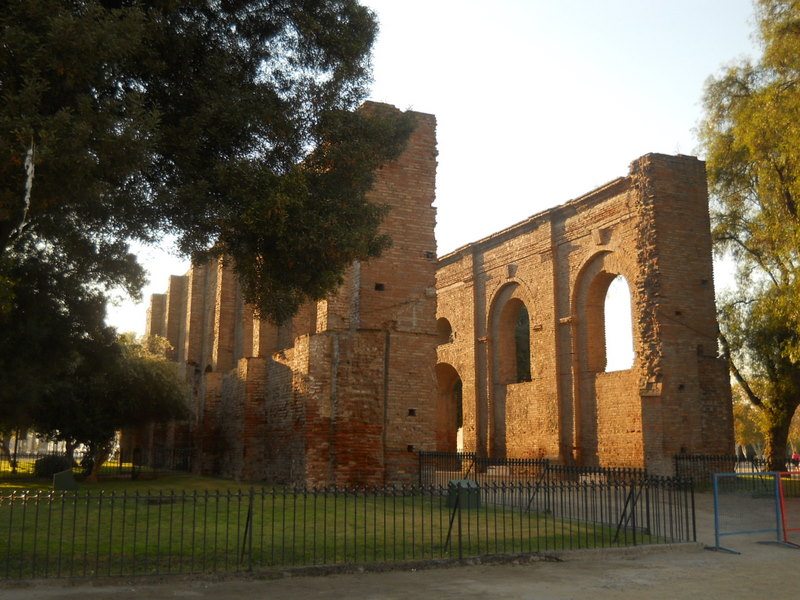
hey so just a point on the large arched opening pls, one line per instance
(450, 410)
(511, 364)
(618, 325)
(604, 362)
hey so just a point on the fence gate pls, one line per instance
(789, 486)
(749, 504)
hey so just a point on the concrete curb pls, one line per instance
(589, 554)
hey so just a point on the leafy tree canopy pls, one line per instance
(227, 123)
(51, 315)
(749, 424)
(115, 382)
(751, 135)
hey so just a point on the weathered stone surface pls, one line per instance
(651, 227)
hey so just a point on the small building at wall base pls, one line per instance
(498, 348)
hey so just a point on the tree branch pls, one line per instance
(755, 254)
(726, 354)
(30, 167)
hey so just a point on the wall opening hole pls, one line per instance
(618, 326)
(412, 412)
(522, 345)
(444, 332)
(379, 287)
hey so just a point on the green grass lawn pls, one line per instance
(188, 524)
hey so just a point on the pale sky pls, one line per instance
(537, 101)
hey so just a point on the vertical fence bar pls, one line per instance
(304, 521)
(325, 528)
(35, 533)
(99, 529)
(314, 496)
(335, 549)
(109, 556)
(122, 535)
(49, 531)
(458, 511)
(193, 544)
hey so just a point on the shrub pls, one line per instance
(47, 466)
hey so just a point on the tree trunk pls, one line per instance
(775, 438)
(12, 219)
(99, 455)
(69, 452)
(6, 450)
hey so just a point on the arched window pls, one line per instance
(458, 401)
(513, 335)
(444, 332)
(618, 325)
(450, 412)
(522, 343)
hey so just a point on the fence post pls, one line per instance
(633, 509)
(458, 508)
(247, 536)
(694, 516)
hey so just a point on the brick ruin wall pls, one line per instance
(351, 388)
(652, 227)
(342, 394)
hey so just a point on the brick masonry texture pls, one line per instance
(354, 386)
(652, 228)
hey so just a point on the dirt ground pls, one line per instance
(669, 572)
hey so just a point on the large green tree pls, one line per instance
(226, 123)
(51, 315)
(115, 382)
(751, 136)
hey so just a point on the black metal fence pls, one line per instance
(131, 463)
(84, 535)
(439, 468)
(702, 467)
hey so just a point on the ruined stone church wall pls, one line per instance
(342, 393)
(604, 408)
(682, 409)
(652, 227)
(369, 390)
(350, 389)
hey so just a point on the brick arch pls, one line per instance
(598, 395)
(505, 355)
(444, 331)
(509, 300)
(450, 409)
(588, 306)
